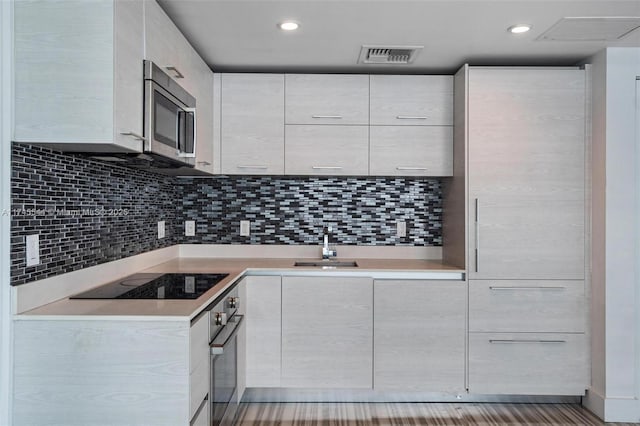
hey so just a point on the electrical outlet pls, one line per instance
(190, 228)
(401, 228)
(33, 249)
(161, 229)
(245, 228)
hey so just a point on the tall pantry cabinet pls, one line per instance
(525, 175)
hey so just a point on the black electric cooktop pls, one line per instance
(155, 286)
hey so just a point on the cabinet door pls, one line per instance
(129, 76)
(411, 151)
(162, 40)
(528, 363)
(327, 332)
(253, 124)
(526, 173)
(414, 100)
(203, 92)
(262, 328)
(327, 99)
(419, 329)
(326, 150)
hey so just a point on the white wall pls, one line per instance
(615, 351)
(5, 174)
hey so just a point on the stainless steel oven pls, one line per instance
(224, 326)
(169, 118)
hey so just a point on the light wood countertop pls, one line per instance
(177, 310)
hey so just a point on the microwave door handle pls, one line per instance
(181, 149)
(218, 344)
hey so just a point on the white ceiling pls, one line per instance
(241, 35)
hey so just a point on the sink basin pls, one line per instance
(327, 264)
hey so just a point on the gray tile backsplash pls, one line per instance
(89, 212)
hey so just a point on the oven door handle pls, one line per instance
(225, 336)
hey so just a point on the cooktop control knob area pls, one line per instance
(221, 318)
(233, 302)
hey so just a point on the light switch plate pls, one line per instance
(33, 249)
(189, 228)
(401, 228)
(245, 228)
(161, 229)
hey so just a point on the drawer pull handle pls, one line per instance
(477, 235)
(410, 117)
(253, 167)
(526, 288)
(204, 163)
(410, 168)
(326, 167)
(509, 341)
(327, 116)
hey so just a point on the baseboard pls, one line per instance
(369, 395)
(621, 410)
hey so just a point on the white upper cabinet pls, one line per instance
(326, 99)
(411, 100)
(163, 42)
(78, 74)
(327, 150)
(411, 150)
(252, 124)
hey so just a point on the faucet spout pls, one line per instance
(327, 252)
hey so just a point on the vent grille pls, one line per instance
(388, 54)
(591, 28)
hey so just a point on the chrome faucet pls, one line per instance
(327, 253)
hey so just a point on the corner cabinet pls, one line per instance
(327, 332)
(78, 74)
(527, 230)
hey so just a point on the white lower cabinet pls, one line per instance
(202, 416)
(327, 332)
(528, 363)
(419, 329)
(262, 330)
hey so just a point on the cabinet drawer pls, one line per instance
(202, 418)
(527, 363)
(414, 100)
(198, 387)
(526, 306)
(411, 151)
(326, 99)
(327, 150)
(199, 342)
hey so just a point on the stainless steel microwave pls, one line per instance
(169, 118)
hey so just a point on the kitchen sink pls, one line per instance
(327, 264)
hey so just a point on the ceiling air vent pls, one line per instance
(388, 54)
(591, 28)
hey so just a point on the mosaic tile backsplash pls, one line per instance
(361, 211)
(89, 212)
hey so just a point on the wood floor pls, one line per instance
(348, 414)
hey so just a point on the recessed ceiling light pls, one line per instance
(288, 26)
(519, 29)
